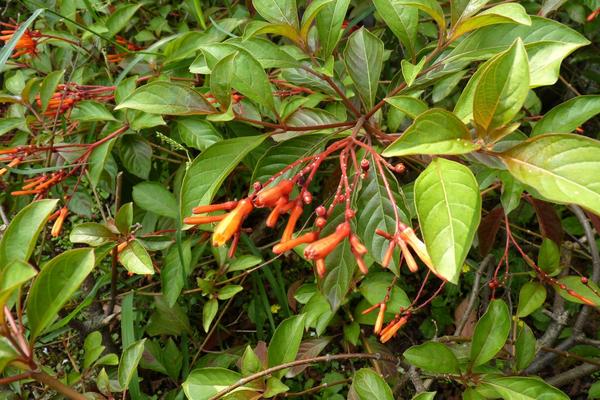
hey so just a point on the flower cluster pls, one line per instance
(68, 94)
(27, 43)
(116, 58)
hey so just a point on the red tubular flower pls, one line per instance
(357, 246)
(231, 223)
(291, 225)
(281, 207)
(228, 205)
(203, 219)
(269, 197)
(57, 227)
(322, 247)
(290, 244)
(390, 331)
(24, 192)
(387, 258)
(27, 43)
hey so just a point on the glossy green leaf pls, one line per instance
(411, 71)
(98, 159)
(408, 105)
(221, 80)
(12, 277)
(430, 7)
(549, 257)
(329, 25)
(89, 111)
(491, 333)
(368, 385)
(375, 286)
(174, 273)
(167, 98)
(55, 284)
(124, 218)
(424, 396)
(448, 204)
(278, 11)
(558, 166)
(152, 196)
(136, 155)
(204, 383)
(433, 357)
(129, 362)
(261, 28)
(91, 233)
(461, 9)
(502, 88)
(135, 258)
(363, 57)
(525, 347)
(92, 348)
(119, 19)
(509, 13)
(522, 388)
(209, 312)
(588, 290)
(285, 342)
(309, 15)
(18, 241)
(250, 79)
(208, 171)
(197, 133)
(403, 22)
(512, 190)
(531, 297)
(567, 116)
(227, 292)
(48, 87)
(435, 131)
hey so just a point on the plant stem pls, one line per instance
(57, 385)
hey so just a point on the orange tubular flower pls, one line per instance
(410, 261)
(24, 192)
(290, 244)
(269, 197)
(321, 269)
(11, 164)
(357, 246)
(57, 227)
(122, 246)
(203, 219)
(231, 223)
(27, 43)
(321, 248)
(390, 331)
(387, 258)
(380, 317)
(361, 262)
(228, 205)
(409, 236)
(279, 209)
(291, 225)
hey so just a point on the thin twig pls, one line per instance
(474, 291)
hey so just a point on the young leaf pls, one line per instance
(368, 385)
(329, 25)
(430, 7)
(18, 241)
(124, 218)
(502, 88)
(448, 204)
(567, 116)
(558, 166)
(129, 362)
(54, 285)
(12, 277)
(209, 312)
(285, 342)
(136, 259)
(92, 234)
(402, 20)
(250, 79)
(531, 297)
(510, 13)
(411, 71)
(490, 333)
(363, 57)
(433, 357)
(311, 12)
(204, 383)
(408, 105)
(435, 131)
(90, 111)
(208, 171)
(92, 348)
(153, 197)
(167, 98)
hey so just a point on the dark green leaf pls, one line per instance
(368, 385)
(363, 57)
(129, 362)
(531, 297)
(402, 20)
(329, 25)
(433, 357)
(48, 87)
(285, 342)
(136, 155)
(490, 333)
(91, 233)
(153, 197)
(525, 347)
(567, 116)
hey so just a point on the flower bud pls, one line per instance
(228, 205)
(387, 258)
(307, 197)
(408, 235)
(364, 164)
(361, 263)
(321, 269)
(290, 244)
(203, 219)
(271, 221)
(231, 223)
(410, 261)
(349, 213)
(380, 318)
(321, 211)
(291, 225)
(57, 227)
(320, 222)
(357, 246)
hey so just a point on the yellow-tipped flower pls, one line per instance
(231, 223)
(57, 227)
(390, 331)
(409, 236)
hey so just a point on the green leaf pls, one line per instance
(167, 98)
(48, 87)
(522, 388)
(433, 357)
(408, 105)
(208, 171)
(512, 190)
(92, 348)
(55, 284)
(461, 9)
(435, 131)
(174, 274)
(18, 241)
(589, 291)
(7, 352)
(402, 20)
(250, 79)
(363, 57)
(285, 342)
(250, 363)
(124, 218)
(209, 312)
(221, 80)
(549, 257)
(309, 15)
(274, 387)
(531, 297)
(374, 210)
(119, 19)
(97, 161)
(91, 233)
(502, 88)
(197, 133)
(510, 13)
(8, 124)
(430, 7)
(490, 333)
(375, 286)
(567, 116)
(89, 111)
(153, 197)
(129, 362)
(278, 11)
(448, 204)
(411, 71)
(136, 155)
(12, 277)
(168, 320)
(136, 259)
(329, 26)
(425, 396)
(261, 28)
(204, 383)
(368, 385)
(525, 347)
(227, 292)
(244, 262)
(558, 166)
(547, 42)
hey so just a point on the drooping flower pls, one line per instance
(232, 223)
(321, 248)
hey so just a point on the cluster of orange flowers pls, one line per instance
(27, 43)
(118, 57)
(68, 94)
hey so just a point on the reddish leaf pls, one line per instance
(548, 219)
(488, 228)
